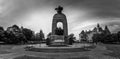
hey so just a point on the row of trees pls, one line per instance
(109, 38)
(16, 35)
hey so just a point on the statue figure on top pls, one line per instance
(59, 9)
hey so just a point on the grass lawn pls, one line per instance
(4, 52)
(4, 48)
(96, 52)
(115, 50)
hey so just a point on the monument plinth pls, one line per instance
(59, 17)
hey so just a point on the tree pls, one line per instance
(118, 35)
(41, 35)
(37, 37)
(48, 39)
(106, 38)
(14, 35)
(49, 34)
(95, 38)
(71, 39)
(83, 36)
(20, 37)
(28, 33)
(2, 34)
(98, 37)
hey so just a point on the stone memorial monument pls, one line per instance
(59, 39)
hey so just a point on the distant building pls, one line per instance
(86, 36)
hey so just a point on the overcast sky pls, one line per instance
(81, 14)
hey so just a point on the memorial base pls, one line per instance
(57, 40)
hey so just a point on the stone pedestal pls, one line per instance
(57, 40)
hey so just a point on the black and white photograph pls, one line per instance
(59, 29)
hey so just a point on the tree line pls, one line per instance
(113, 38)
(16, 35)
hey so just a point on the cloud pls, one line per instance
(81, 14)
(98, 8)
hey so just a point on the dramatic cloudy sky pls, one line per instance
(81, 14)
